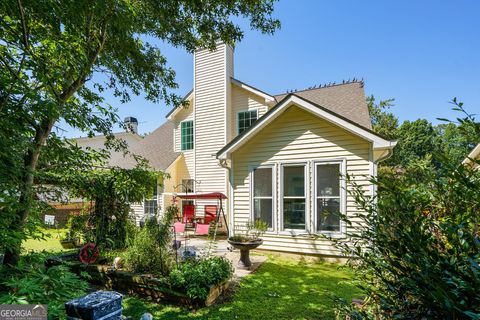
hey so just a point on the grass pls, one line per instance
(50, 241)
(280, 289)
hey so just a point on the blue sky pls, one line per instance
(422, 53)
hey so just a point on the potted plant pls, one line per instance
(71, 240)
(76, 225)
(247, 241)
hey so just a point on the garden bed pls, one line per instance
(144, 285)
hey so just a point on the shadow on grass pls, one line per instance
(280, 289)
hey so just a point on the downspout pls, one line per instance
(224, 164)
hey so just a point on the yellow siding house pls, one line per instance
(280, 158)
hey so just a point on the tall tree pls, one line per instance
(384, 122)
(49, 52)
(416, 139)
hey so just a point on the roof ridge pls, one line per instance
(325, 85)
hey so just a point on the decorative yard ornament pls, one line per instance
(89, 253)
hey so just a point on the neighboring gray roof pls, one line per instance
(157, 147)
(347, 100)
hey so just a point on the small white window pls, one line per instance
(294, 197)
(328, 197)
(150, 205)
(246, 119)
(263, 195)
(188, 185)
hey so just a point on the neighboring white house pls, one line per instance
(276, 157)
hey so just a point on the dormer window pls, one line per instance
(186, 128)
(246, 119)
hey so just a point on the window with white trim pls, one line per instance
(246, 119)
(263, 194)
(186, 130)
(328, 197)
(293, 186)
(188, 185)
(150, 206)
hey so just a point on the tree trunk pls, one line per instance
(12, 254)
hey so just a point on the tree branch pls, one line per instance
(24, 25)
(80, 81)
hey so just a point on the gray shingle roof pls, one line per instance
(346, 100)
(157, 147)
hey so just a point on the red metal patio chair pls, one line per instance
(189, 214)
(210, 213)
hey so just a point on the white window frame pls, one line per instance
(147, 203)
(181, 134)
(288, 231)
(184, 185)
(238, 118)
(274, 193)
(343, 196)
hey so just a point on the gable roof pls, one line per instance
(320, 111)
(347, 100)
(269, 99)
(157, 147)
(188, 96)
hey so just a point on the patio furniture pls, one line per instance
(189, 214)
(202, 229)
(210, 213)
(220, 212)
(179, 227)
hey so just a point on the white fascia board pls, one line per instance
(178, 108)
(472, 155)
(377, 141)
(268, 98)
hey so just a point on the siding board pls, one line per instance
(297, 135)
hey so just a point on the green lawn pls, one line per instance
(280, 289)
(51, 241)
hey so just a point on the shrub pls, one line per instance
(418, 251)
(196, 277)
(151, 249)
(32, 283)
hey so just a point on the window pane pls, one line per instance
(263, 210)
(246, 119)
(294, 214)
(294, 181)
(187, 135)
(262, 180)
(327, 214)
(328, 180)
(187, 185)
(150, 207)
